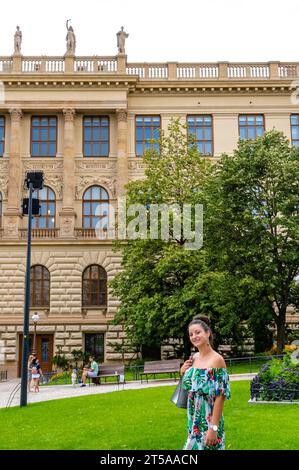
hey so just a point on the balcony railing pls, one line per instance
(39, 233)
(149, 71)
(89, 233)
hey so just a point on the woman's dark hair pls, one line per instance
(205, 322)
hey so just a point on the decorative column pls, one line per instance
(122, 157)
(12, 213)
(67, 215)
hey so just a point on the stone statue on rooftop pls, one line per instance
(121, 37)
(17, 41)
(70, 40)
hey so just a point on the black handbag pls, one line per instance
(180, 395)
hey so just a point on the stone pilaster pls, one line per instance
(12, 214)
(67, 215)
(121, 63)
(122, 156)
(17, 63)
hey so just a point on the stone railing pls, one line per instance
(43, 65)
(89, 233)
(95, 65)
(149, 71)
(39, 233)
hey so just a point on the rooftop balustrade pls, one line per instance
(148, 71)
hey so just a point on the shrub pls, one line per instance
(277, 380)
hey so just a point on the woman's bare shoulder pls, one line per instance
(218, 361)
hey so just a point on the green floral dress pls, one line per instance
(204, 385)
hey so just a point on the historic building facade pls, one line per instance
(85, 122)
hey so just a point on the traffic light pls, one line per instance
(36, 178)
(35, 206)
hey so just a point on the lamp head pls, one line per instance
(35, 317)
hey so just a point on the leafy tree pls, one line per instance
(154, 286)
(252, 226)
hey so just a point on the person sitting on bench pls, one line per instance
(90, 372)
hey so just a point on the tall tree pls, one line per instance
(252, 223)
(154, 286)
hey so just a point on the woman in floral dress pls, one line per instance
(207, 380)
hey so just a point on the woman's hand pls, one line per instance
(211, 438)
(186, 365)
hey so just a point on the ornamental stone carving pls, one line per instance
(3, 165)
(17, 41)
(122, 115)
(55, 182)
(4, 186)
(85, 181)
(121, 38)
(16, 114)
(69, 114)
(42, 166)
(136, 166)
(67, 226)
(11, 229)
(70, 40)
(80, 165)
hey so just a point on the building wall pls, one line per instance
(121, 97)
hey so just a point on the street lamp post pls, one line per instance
(33, 180)
(35, 318)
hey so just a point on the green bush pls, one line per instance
(277, 380)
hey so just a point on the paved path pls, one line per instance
(55, 392)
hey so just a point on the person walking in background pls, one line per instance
(36, 373)
(29, 376)
(206, 379)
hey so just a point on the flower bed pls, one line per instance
(278, 380)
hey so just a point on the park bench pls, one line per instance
(105, 371)
(171, 367)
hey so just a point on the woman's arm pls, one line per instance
(211, 437)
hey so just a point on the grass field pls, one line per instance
(142, 419)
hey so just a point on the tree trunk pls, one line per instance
(281, 323)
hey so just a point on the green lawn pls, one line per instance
(142, 419)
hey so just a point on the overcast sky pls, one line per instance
(159, 30)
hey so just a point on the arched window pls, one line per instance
(94, 287)
(95, 208)
(0, 209)
(47, 201)
(39, 286)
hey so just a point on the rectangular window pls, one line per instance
(43, 136)
(201, 128)
(147, 128)
(2, 135)
(295, 129)
(94, 345)
(96, 136)
(251, 126)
